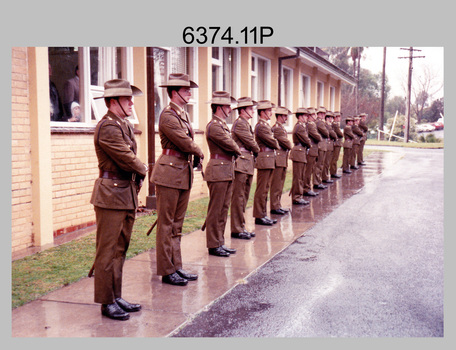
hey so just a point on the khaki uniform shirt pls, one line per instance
(176, 134)
(115, 146)
(242, 134)
(267, 144)
(349, 136)
(301, 142)
(315, 138)
(281, 135)
(223, 151)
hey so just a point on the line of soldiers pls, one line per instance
(234, 154)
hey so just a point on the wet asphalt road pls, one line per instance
(374, 267)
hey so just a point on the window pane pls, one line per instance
(63, 83)
(215, 53)
(160, 76)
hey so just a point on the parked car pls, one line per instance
(438, 125)
(424, 127)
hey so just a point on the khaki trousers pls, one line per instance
(325, 175)
(220, 193)
(319, 167)
(277, 181)
(353, 155)
(346, 159)
(171, 208)
(241, 191)
(361, 151)
(260, 198)
(114, 229)
(334, 160)
(297, 186)
(310, 170)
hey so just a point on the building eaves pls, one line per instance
(314, 58)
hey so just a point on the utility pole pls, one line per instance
(409, 90)
(382, 112)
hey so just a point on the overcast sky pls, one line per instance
(397, 68)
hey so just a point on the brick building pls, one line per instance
(54, 164)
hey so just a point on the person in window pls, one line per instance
(75, 112)
(71, 92)
(173, 178)
(219, 173)
(55, 103)
(115, 196)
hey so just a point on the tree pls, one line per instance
(433, 113)
(425, 87)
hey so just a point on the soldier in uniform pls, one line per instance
(337, 146)
(281, 161)
(173, 178)
(356, 142)
(265, 162)
(348, 145)
(244, 166)
(219, 173)
(298, 155)
(315, 138)
(115, 196)
(322, 147)
(364, 129)
(326, 175)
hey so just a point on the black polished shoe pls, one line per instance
(285, 210)
(263, 221)
(328, 181)
(310, 194)
(126, 306)
(219, 251)
(320, 187)
(252, 234)
(362, 163)
(354, 167)
(228, 250)
(240, 235)
(301, 202)
(336, 176)
(187, 276)
(114, 311)
(278, 212)
(347, 171)
(174, 279)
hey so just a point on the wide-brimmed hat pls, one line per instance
(265, 104)
(179, 79)
(311, 110)
(321, 109)
(222, 98)
(302, 110)
(329, 114)
(118, 88)
(282, 111)
(245, 102)
(348, 119)
(337, 114)
(363, 115)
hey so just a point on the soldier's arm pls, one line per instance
(110, 139)
(242, 131)
(172, 128)
(265, 135)
(282, 138)
(223, 139)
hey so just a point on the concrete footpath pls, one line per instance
(71, 312)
